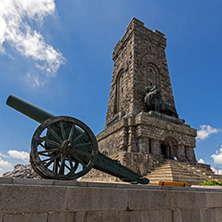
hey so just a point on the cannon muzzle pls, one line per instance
(28, 109)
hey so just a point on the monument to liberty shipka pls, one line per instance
(142, 126)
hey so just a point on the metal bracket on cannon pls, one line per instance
(65, 148)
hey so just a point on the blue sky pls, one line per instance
(58, 56)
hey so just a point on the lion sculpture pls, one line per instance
(154, 101)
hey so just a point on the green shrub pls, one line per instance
(211, 183)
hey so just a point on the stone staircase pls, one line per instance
(176, 171)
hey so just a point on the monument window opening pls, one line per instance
(150, 146)
(186, 157)
(119, 91)
(175, 151)
(164, 150)
(151, 76)
(169, 148)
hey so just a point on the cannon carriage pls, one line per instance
(65, 148)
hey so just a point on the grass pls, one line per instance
(211, 183)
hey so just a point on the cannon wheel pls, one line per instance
(63, 148)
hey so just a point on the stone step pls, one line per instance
(177, 174)
(203, 174)
(195, 182)
(177, 171)
(174, 173)
(170, 169)
(195, 168)
(198, 170)
(174, 179)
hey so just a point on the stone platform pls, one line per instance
(25, 200)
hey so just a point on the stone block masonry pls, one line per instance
(70, 201)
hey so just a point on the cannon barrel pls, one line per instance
(28, 109)
(115, 168)
(67, 143)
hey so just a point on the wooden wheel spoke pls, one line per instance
(48, 164)
(79, 137)
(76, 165)
(55, 134)
(71, 132)
(52, 160)
(84, 144)
(71, 165)
(83, 153)
(62, 130)
(42, 161)
(67, 167)
(49, 141)
(44, 154)
(42, 145)
(79, 160)
(62, 167)
(55, 166)
(48, 151)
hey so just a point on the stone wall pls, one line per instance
(67, 201)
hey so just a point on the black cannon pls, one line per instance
(65, 148)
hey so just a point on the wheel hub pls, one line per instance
(65, 146)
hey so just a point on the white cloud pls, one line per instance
(201, 160)
(218, 156)
(4, 163)
(15, 30)
(216, 171)
(3, 155)
(21, 155)
(34, 80)
(206, 131)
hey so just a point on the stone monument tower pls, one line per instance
(142, 126)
